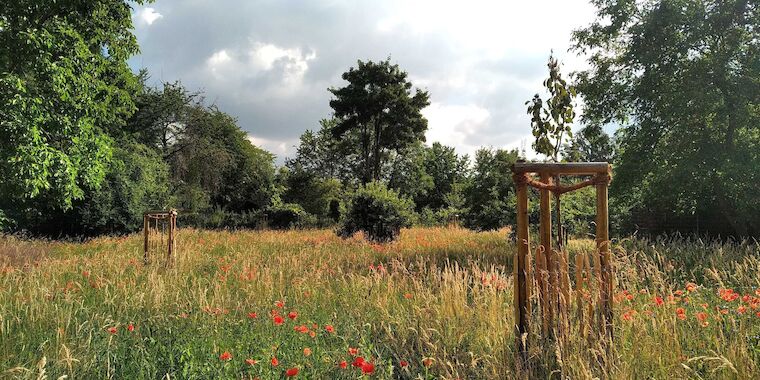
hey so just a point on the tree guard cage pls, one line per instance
(593, 299)
(160, 232)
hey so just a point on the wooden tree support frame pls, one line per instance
(551, 266)
(163, 225)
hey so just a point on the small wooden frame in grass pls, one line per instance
(552, 277)
(160, 233)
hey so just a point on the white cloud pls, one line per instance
(453, 124)
(270, 64)
(289, 65)
(281, 148)
(491, 28)
(148, 15)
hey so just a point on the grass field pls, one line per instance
(435, 304)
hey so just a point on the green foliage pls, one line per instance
(433, 177)
(682, 79)
(137, 180)
(378, 113)
(377, 211)
(490, 193)
(552, 120)
(314, 194)
(63, 79)
(321, 155)
(213, 164)
(579, 212)
(590, 144)
(407, 174)
(288, 215)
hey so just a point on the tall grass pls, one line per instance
(439, 299)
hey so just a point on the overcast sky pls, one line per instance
(269, 63)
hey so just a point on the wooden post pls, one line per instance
(547, 264)
(579, 269)
(146, 229)
(603, 250)
(170, 243)
(520, 261)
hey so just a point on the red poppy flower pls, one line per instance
(306, 351)
(358, 361)
(353, 351)
(292, 315)
(658, 301)
(130, 327)
(330, 329)
(368, 368)
(85, 273)
(291, 372)
(403, 364)
(408, 296)
(275, 362)
(252, 315)
(427, 362)
(112, 330)
(681, 313)
(278, 320)
(312, 334)
(741, 309)
(250, 361)
(225, 356)
(702, 317)
(728, 295)
(280, 304)
(343, 364)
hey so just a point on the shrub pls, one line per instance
(289, 215)
(377, 211)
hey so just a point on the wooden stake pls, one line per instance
(545, 231)
(579, 290)
(565, 288)
(521, 291)
(146, 232)
(603, 249)
(170, 248)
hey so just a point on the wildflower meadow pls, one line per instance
(307, 304)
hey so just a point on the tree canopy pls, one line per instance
(682, 79)
(379, 111)
(63, 80)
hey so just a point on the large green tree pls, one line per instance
(63, 79)
(490, 193)
(590, 144)
(321, 155)
(682, 78)
(378, 110)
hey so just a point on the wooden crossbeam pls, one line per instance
(554, 168)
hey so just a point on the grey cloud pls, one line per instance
(178, 45)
